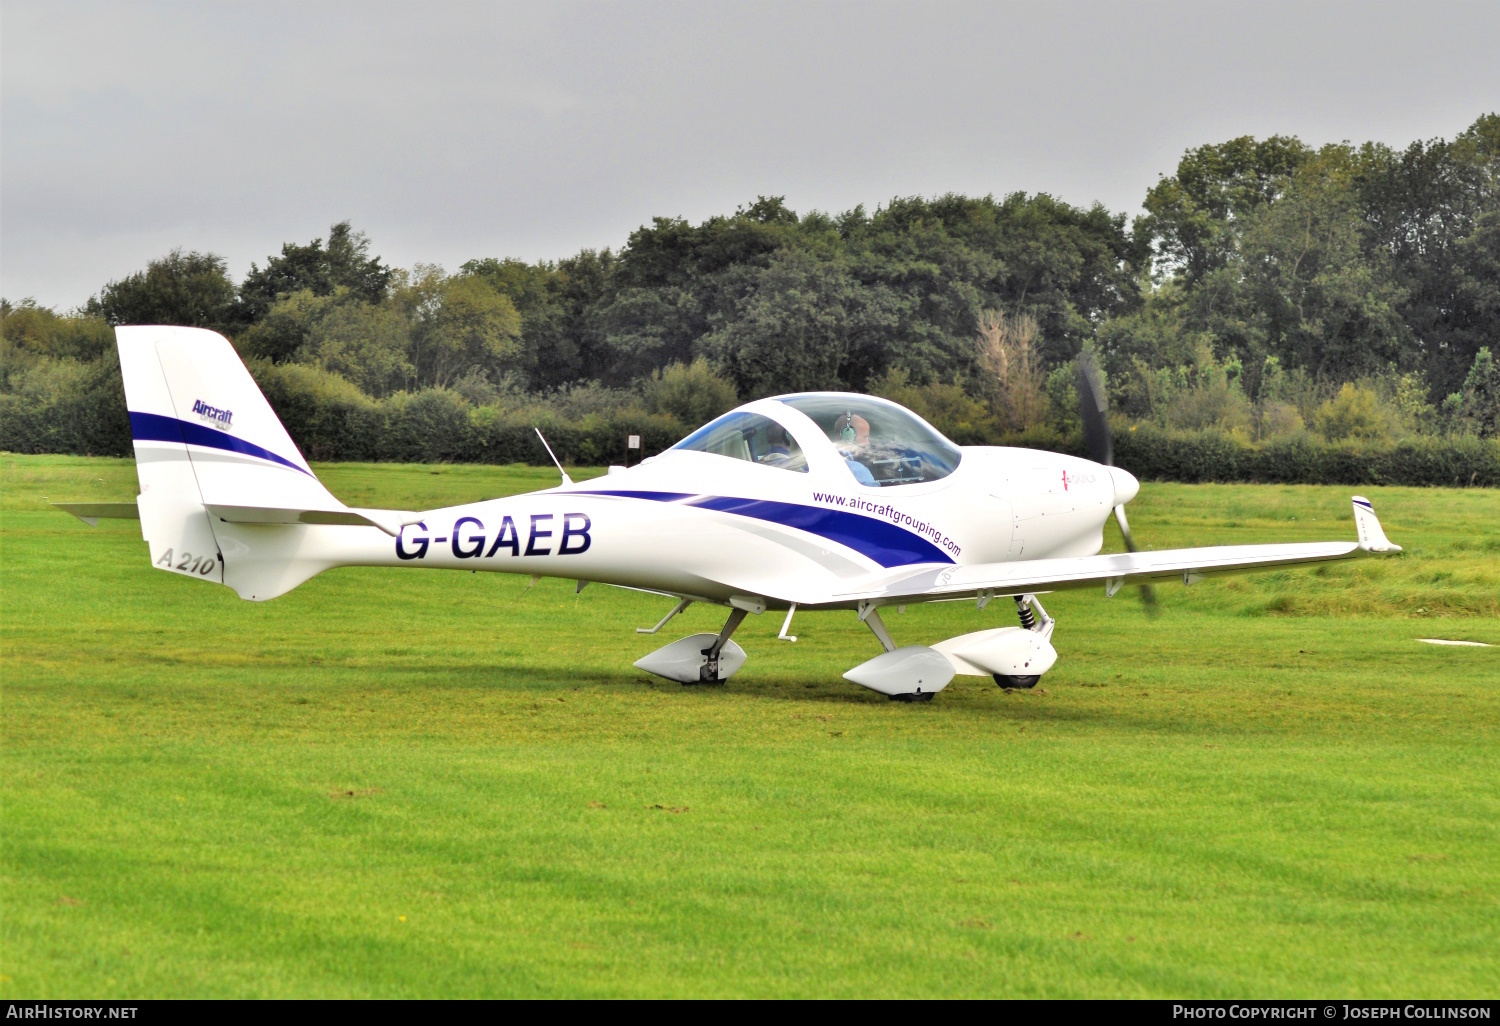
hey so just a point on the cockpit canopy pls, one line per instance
(742, 435)
(880, 443)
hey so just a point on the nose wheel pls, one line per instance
(1033, 618)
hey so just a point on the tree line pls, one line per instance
(1271, 290)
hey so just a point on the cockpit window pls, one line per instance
(882, 443)
(748, 436)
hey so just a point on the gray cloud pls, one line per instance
(455, 130)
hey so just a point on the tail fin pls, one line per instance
(209, 450)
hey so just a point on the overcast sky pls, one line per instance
(456, 130)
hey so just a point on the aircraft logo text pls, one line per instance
(215, 416)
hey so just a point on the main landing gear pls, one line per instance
(708, 673)
(911, 674)
(701, 658)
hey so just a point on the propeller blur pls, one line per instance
(1093, 403)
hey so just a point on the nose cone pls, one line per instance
(1126, 486)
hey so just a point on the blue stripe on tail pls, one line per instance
(153, 427)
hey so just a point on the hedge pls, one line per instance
(330, 419)
(81, 409)
(1169, 456)
(1152, 454)
(68, 407)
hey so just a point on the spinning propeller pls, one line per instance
(1094, 410)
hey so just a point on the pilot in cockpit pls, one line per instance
(854, 441)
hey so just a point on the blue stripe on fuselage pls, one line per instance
(153, 427)
(886, 544)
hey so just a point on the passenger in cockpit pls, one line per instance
(854, 442)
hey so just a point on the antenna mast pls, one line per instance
(560, 470)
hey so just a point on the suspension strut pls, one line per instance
(1023, 610)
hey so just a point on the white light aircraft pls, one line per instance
(819, 500)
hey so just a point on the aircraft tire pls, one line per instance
(923, 696)
(1023, 682)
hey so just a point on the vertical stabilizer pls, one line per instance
(211, 408)
(210, 450)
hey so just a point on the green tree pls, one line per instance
(1433, 211)
(369, 344)
(693, 393)
(461, 324)
(187, 289)
(562, 340)
(1142, 351)
(798, 327)
(1476, 407)
(1210, 394)
(284, 333)
(1356, 412)
(37, 330)
(1194, 218)
(947, 260)
(674, 281)
(344, 263)
(944, 405)
(1327, 302)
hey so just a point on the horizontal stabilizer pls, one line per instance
(93, 512)
(388, 520)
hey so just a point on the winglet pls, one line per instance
(1371, 536)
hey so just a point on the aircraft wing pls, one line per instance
(1112, 571)
(935, 583)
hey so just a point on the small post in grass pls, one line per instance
(631, 442)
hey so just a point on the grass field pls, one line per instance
(421, 784)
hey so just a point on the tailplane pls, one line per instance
(210, 451)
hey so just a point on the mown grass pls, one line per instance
(438, 783)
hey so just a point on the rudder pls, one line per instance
(174, 522)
